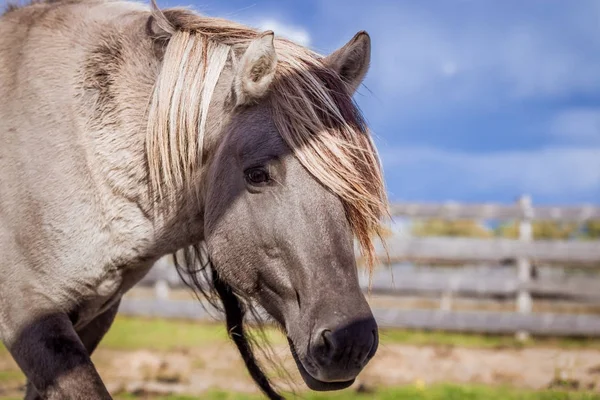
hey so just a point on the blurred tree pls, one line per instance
(541, 230)
(591, 229)
(443, 227)
(508, 230)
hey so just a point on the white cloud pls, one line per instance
(578, 125)
(295, 33)
(548, 172)
(449, 68)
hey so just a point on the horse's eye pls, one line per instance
(257, 176)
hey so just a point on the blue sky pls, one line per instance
(470, 100)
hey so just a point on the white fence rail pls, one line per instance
(496, 211)
(469, 250)
(434, 281)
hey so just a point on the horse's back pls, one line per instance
(36, 129)
(41, 157)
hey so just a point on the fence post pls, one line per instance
(446, 301)
(524, 302)
(161, 289)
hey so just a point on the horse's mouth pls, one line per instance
(312, 382)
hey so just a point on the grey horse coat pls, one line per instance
(104, 169)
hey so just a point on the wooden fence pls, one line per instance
(522, 210)
(523, 252)
(469, 250)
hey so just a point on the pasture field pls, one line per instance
(440, 392)
(162, 334)
(154, 358)
(129, 333)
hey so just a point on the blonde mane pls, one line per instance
(310, 105)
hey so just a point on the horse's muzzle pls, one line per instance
(337, 354)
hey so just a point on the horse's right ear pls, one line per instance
(351, 62)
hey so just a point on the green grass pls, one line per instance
(160, 334)
(419, 338)
(436, 392)
(11, 376)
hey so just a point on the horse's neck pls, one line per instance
(119, 72)
(134, 82)
(186, 226)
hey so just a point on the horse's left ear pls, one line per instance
(159, 29)
(351, 62)
(256, 70)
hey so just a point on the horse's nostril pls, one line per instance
(328, 344)
(324, 347)
(374, 344)
(340, 352)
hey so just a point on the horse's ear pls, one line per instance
(351, 62)
(159, 28)
(255, 71)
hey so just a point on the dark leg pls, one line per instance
(53, 357)
(90, 337)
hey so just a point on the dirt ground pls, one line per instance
(193, 371)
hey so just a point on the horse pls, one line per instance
(129, 133)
